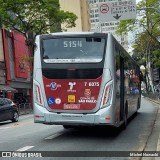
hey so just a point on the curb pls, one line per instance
(152, 100)
(158, 143)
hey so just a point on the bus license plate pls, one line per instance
(71, 106)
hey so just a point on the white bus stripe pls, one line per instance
(25, 148)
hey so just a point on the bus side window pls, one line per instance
(118, 73)
(127, 75)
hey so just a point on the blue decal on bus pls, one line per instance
(51, 100)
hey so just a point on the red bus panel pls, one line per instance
(81, 94)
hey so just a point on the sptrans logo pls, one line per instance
(54, 86)
(71, 86)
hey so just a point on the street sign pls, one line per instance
(117, 10)
(98, 28)
(104, 8)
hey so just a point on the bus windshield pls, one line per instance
(73, 50)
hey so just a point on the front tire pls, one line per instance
(15, 117)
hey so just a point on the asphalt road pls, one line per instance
(25, 135)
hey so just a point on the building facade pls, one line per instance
(88, 18)
(2, 64)
(18, 70)
(81, 9)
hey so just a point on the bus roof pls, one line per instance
(71, 33)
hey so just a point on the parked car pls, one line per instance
(8, 110)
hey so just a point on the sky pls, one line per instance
(131, 37)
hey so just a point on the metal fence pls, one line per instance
(153, 96)
(25, 108)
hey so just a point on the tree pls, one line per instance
(148, 21)
(34, 16)
(147, 31)
(38, 16)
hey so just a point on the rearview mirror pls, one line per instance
(141, 76)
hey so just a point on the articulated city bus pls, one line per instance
(84, 78)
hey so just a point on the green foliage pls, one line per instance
(125, 26)
(146, 49)
(138, 57)
(38, 16)
(156, 58)
(146, 30)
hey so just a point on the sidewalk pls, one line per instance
(156, 127)
(158, 122)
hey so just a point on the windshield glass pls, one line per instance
(73, 50)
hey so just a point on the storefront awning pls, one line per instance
(4, 88)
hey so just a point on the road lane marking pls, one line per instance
(54, 135)
(4, 127)
(17, 124)
(21, 123)
(24, 148)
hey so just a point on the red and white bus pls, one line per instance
(84, 78)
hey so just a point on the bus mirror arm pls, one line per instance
(141, 77)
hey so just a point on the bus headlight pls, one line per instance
(106, 95)
(37, 93)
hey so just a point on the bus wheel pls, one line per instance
(125, 118)
(66, 126)
(138, 104)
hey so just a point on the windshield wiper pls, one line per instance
(83, 52)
